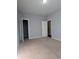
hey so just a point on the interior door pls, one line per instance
(44, 28)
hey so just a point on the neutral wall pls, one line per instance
(19, 28)
(56, 24)
(35, 26)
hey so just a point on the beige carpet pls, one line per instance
(44, 48)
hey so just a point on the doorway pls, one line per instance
(49, 28)
(25, 29)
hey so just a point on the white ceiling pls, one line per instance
(37, 7)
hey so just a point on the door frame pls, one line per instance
(51, 26)
(28, 28)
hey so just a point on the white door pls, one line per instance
(44, 28)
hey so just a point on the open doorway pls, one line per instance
(49, 28)
(25, 30)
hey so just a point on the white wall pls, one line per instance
(19, 28)
(56, 24)
(35, 26)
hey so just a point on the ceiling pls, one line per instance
(37, 7)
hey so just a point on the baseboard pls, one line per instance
(57, 39)
(34, 37)
(37, 37)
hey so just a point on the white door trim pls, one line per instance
(51, 26)
(28, 28)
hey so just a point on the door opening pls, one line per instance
(49, 28)
(25, 29)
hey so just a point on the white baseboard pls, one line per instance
(35, 37)
(38, 37)
(57, 39)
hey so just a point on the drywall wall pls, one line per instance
(56, 24)
(17, 33)
(19, 28)
(35, 26)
